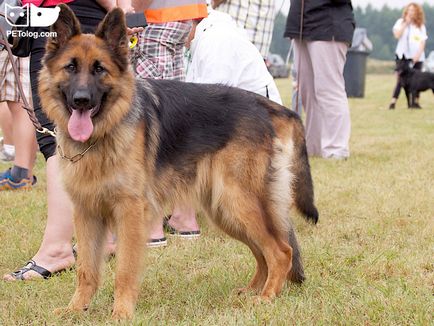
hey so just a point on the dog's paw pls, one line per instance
(65, 311)
(61, 311)
(122, 314)
(262, 299)
(245, 290)
(241, 291)
(70, 309)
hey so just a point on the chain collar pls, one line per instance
(76, 157)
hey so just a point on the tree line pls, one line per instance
(378, 23)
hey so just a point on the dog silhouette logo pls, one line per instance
(43, 17)
(39, 17)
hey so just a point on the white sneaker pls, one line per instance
(5, 157)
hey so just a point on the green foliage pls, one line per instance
(279, 44)
(378, 22)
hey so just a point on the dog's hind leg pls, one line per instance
(245, 219)
(131, 215)
(232, 228)
(91, 231)
(278, 259)
(258, 281)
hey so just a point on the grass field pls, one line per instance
(370, 259)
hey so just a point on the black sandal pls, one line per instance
(31, 266)
(182, 234)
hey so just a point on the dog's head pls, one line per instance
(86, 83)
(403, 65)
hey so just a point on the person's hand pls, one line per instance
(134, 30)
(126, 6)
(407, 20)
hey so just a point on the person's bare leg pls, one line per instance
(6, 124)
(24, 137)
(55, 252)
(156, 230)
(184, 218)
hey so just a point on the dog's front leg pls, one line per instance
(408, 96)
(415, 99)
(131, 215)
(412, 99)
(90, 231)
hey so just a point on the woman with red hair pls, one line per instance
(411, 34)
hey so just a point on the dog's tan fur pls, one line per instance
(116, 184)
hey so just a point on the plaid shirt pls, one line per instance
(159, 52)
(256, 17)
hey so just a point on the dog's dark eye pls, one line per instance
(71, 67)
(98, 69)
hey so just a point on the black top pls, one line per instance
(88, 12)
(323, 20)
(88, 9)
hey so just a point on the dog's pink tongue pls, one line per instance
(80, 125)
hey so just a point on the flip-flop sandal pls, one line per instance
(31, 266)
(182, 234)
(74, 251)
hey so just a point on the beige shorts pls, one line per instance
(8, 83)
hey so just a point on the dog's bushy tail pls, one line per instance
(302, 186)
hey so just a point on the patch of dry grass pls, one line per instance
(368, 261)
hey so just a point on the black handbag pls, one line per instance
(21, 46)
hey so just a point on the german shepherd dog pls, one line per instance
(132, 148)
(413, 81)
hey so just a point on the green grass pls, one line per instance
(368, 261)
(375, 66)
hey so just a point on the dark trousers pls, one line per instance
(89, 13)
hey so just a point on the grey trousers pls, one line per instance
(322, 89)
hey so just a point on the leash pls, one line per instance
(26, 106)
(299, 61)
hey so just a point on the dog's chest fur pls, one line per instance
(105, 172)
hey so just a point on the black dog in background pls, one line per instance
(413, 81)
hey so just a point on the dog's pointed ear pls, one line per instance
(113, 30)
(65, 27)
